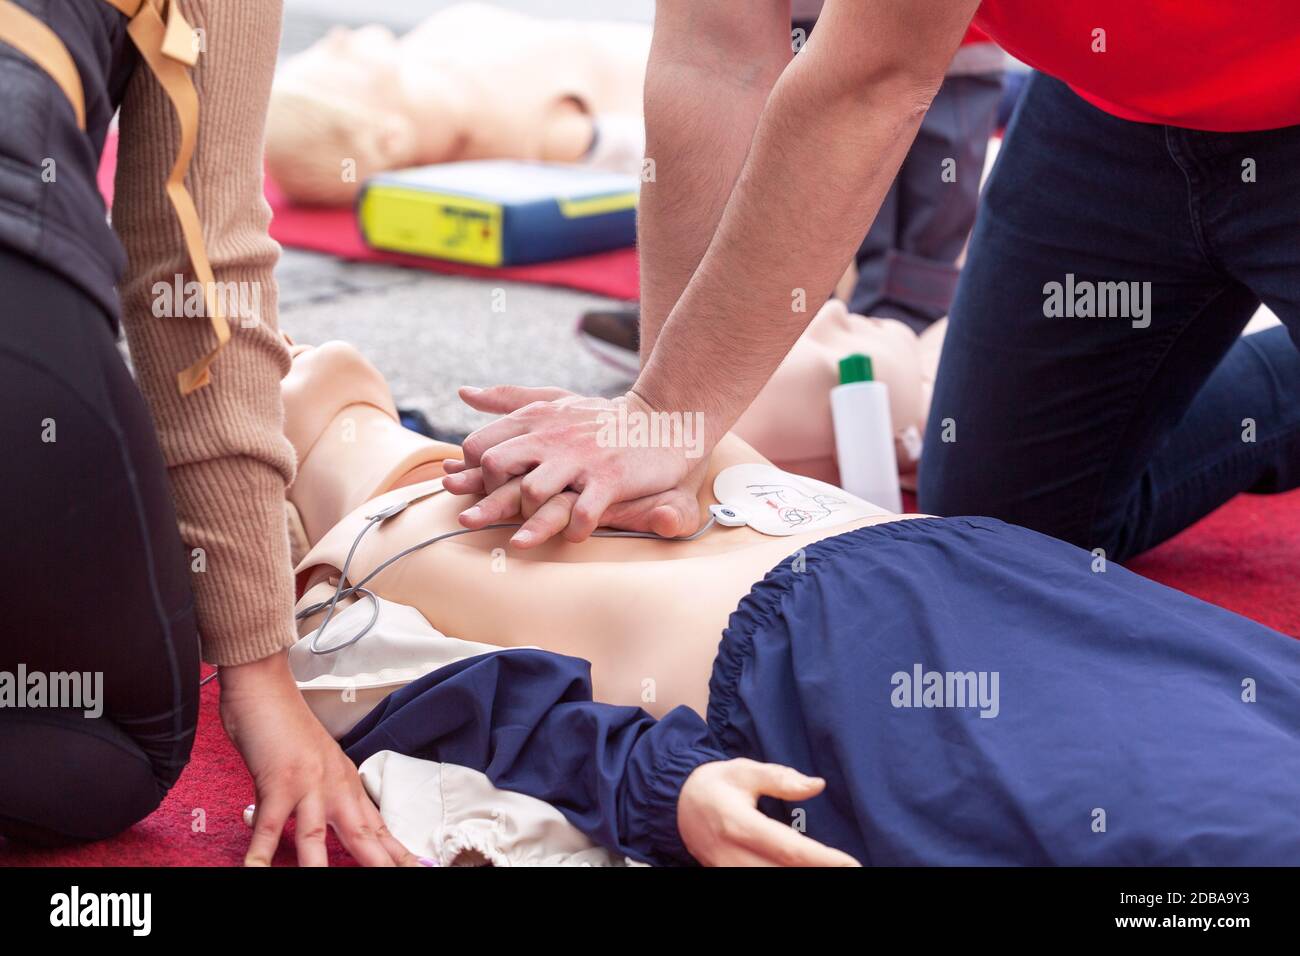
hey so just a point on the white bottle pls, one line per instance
(864, 435)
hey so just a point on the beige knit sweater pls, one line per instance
(227, 457)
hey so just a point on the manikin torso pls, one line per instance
(647, 614)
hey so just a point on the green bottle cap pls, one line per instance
(855, 368)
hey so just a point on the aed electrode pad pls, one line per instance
(775, 502)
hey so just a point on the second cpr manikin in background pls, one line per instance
(790, 421)
(469, 82)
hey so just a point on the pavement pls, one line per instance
(428, 333)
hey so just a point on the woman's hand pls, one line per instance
(720, 824)
(299, 770)
(550, 442)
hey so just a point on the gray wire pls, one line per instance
(341, 591)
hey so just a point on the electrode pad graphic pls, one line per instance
(776, 502)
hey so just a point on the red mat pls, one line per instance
(1243, 557)
(334, 232)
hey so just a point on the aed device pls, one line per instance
(498, 212)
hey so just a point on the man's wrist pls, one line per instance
(675, 397)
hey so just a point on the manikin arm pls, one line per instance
(526, 719)
(658, 791)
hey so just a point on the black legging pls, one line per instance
(93, 577)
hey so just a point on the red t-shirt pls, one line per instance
(1204, 64)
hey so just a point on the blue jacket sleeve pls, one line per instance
(525, 718)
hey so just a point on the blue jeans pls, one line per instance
(1117, 432)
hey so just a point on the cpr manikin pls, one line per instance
(646, 613)
(874, 654)
(790, 420)
(469, 82)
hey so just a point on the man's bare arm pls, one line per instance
(829, 142)
(831, 138)
(711, 68)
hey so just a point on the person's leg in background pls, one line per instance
(93, 576)
(907, 262)
(1240, 434)
(1089, 429)
(1014, 79)
(1248, 200)
(1242, 431)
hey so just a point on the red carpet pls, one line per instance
(1244, 557)
(334, 232)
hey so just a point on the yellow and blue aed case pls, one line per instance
(498, 212)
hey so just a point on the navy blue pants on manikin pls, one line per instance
(972, 692)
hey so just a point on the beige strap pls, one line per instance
(129, 7)
(169, 51)
(36, 41)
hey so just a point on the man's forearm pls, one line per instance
(805, 198)
(705, 88)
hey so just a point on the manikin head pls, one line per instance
(338, 115)
(790, 420)
(471, 81)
